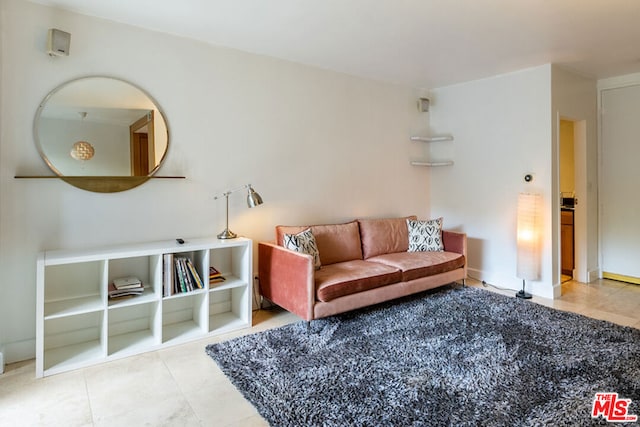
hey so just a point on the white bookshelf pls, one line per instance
(77, 325)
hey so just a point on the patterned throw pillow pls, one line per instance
(305, 243)
(425, 236)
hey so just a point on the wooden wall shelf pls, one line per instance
(101, 184)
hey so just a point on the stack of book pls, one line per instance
(215, 276)
(179, 275)
(125, 287)
(188, 278)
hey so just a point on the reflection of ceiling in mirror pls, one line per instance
(120, 116)
(101, 92)
(105, 100)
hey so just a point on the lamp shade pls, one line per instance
(528, 236)
(253, 198)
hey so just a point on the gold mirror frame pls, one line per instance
(82, 98)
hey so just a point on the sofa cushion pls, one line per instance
(425, 235)
(384, 236)
(350, 277)
(336, 242)
(303, 242)
(419, 264)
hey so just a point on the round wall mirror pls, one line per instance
(101, 134)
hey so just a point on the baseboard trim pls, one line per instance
(19, 351)
(621, 278)
(536, 288)
(557, 291)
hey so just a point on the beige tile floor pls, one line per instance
(182, 386)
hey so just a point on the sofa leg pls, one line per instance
(464, 283)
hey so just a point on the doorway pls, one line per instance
(567, 199)
(572, 197)
(142, 145)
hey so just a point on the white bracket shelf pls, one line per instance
(430, 163)
(432, 138)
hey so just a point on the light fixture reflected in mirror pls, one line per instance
(82, 150)
(253, 200)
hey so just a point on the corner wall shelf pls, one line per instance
(101, 184)
(432, 138)
(432, 163)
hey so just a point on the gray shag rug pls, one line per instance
(454, 357)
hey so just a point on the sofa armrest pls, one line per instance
(287, 278)
(456, 242)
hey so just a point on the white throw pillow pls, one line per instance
(303, 242)
(425, 236)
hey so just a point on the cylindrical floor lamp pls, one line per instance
(528, 240)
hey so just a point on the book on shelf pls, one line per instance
(168, 275)
(215, 276)
(187, 277)
(114, 292)
(194, 274)
(181, 285)
(129, 282)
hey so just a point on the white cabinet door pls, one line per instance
(620, 181)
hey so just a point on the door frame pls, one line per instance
(148, 121)
(580, 223)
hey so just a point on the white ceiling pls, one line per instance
(421, 43)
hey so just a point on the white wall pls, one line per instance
(502, 129)
(318, 146)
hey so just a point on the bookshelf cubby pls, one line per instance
(77, 325)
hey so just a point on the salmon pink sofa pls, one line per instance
(362, 262)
